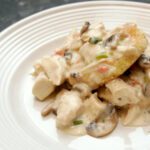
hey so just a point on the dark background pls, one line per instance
(14, 10)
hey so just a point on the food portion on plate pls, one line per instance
(96, 79)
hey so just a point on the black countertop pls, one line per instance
(14, 10)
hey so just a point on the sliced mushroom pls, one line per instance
(111, 40)
(69, 107)
(52, 106)
(103, 127)
(42, 87)
(144, 61)
(136, 115)
(47, 109)
(129, 115)
(55, 68)
(83, 89)
(85, 27)
(104, 93)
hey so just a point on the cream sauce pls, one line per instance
(85, 61)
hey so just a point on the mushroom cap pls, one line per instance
(144, 61)
(103, 128)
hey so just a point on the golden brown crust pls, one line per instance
(92, 77)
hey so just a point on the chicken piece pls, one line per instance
(136, 74)
(139, 80)
(90, 49)
(119, 93)
(83, 90)
(69, 108)
(132, 42)
(138, 114)
(42, 87)
(55, 69)
(74, 41)
(89, 52)
(92, 108)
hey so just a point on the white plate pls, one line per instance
(21, 126)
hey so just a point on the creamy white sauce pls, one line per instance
(71, 106)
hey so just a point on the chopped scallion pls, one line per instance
(77, 122)
(101, 55)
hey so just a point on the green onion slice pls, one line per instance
(77, 122)
(101, 55)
